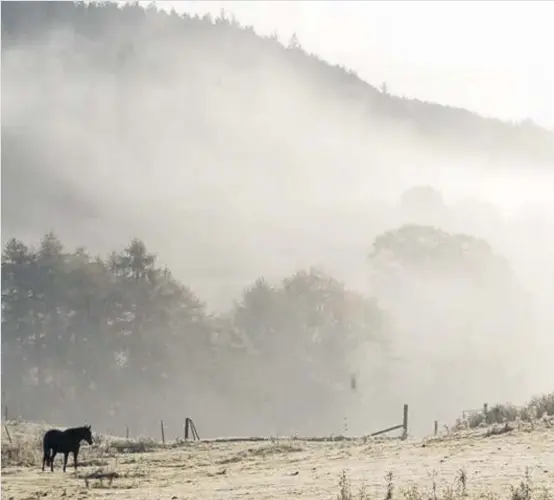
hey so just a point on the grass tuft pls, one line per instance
(458, 490)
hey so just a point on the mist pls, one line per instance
(231, 166)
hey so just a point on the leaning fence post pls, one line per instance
(405, 423)
(7, 432)
(194, 431)
(162, 428)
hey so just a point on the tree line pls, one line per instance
(120, 336)
(81, 332)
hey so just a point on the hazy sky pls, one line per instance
(491, 57)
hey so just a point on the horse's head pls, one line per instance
(87, 434)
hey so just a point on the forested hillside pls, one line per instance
(117, 40)
(124, 122)
(230, 230)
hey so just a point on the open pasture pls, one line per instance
(287, 468)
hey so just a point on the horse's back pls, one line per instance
(51, 435)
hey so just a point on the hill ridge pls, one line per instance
(496, 140)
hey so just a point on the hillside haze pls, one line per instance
(233, 157)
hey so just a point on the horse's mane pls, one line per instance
(75, 430)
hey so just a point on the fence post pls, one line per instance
(405, 423)
(5, 401)
(162, 428)
(195, 435)
(187, 425)
(7, 432)
(486, 412)
(436, 427)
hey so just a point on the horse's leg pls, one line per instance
(65, 455)
(52, 460)
(75, 453)
(45, 459)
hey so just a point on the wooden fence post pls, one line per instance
(7, 432)
(195, 435)
(405, 423)
(187, 425)
(5, 401)
(162, 428)
(486, 411)
(436, 427)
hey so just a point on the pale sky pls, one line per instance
(495, 58)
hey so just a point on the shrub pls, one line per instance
(537, 407)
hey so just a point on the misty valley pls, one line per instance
(199, 221)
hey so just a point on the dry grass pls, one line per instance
(263, 451)
(541, 407)
(458, 490)
(504, 462)
(21, 444)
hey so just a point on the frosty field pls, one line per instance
(284, 468)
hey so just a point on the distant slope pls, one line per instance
(229, 154)
(500, 141)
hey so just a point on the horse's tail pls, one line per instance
(46, 446)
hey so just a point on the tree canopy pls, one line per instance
(122, 328)
(90, 337)
(460, 313)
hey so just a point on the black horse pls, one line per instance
(66, 442)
